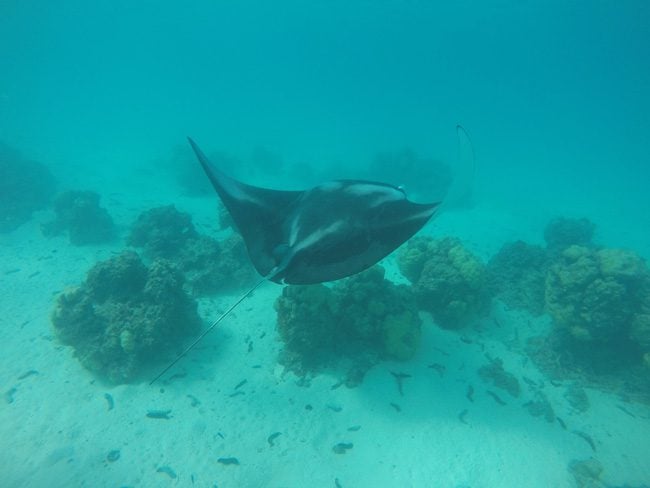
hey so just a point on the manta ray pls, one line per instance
(325, 233)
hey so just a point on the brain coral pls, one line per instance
(600, 296)
(125, 316)
(449, 282)
(361, 319)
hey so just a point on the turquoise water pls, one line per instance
(555, 96)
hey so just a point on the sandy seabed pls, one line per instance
(59, 426)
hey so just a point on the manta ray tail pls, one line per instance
(207, 331)
(460, 192)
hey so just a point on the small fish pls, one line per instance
(240, 384)
(400, 377)
(9, 395)
(194, 401)
(396, 407)
(250, 346)
(337, 483)
(354, 428)
(462, 415)
(175, 376)
(35, 273)
(441, 351)
(109, 400)
(440, 368)
(496, 397)
(335, 408)
(159, 414)
(586, 437)
(561, 422)
(336, 385)
(342, 447)
(272, 437)
(27, 374)
(237, 393)
(625, 410)
(470, 393)
(229, 461)
(113, 456)
(168, 471)
(12, 271)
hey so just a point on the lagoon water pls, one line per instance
(556, 98)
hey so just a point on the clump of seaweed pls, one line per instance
(125, 316)
(577, 398)
(359, 321)
(562, 232)
(517, 276)
(448, 281)
(540, 406)
(499, 377)
(25, 187)
(79, 214)
(209, 265)
(587, 473)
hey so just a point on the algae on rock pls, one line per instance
(448, 281)
(209, 265)
(358, 320)
(126, 317)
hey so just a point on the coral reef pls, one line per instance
(599, 300)
(561, 233)
(358, 320)
(125, 316)
(599, 295)
(209, 265)
(162, 232)
(517, 276)
(78, 213)
(25, 186)
(448, 281)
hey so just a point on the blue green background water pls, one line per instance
(555, 94)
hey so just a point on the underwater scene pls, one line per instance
(328, 244)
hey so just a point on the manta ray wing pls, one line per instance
(259, 213)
